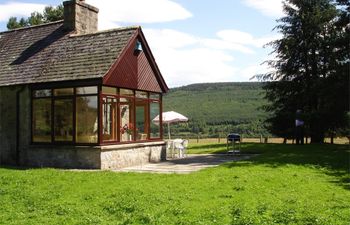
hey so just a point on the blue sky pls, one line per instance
(193, 41)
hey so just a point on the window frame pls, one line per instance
(99, 95)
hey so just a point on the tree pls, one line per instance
(50, 14)
(311, 69)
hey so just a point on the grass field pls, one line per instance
(285, 184)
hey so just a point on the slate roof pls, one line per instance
(47, 53)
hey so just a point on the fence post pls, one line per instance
(197, 138)
(219, 138)
(261, 139)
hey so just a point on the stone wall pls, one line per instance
(69, 157)
(81, 17)
(8, 122)
(119, 156)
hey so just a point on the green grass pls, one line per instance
(285, 184)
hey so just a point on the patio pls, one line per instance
(192, 163)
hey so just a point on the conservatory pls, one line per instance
(94, 115)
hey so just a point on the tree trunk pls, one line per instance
(317, 138)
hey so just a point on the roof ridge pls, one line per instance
(107, 31)
(31, 27)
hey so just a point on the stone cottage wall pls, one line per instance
(8, 123)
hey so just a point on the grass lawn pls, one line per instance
(285, 184)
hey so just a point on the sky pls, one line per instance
(193, 41)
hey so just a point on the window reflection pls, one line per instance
(63, 119)
(154, 112)
(86, 90)
(42, 120)
(109, 119)
(141, 120)
(63, 91)
(126, 119)
(86, 119)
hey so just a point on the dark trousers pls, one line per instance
(299, 135)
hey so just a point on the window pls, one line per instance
(140, 94)
(41, 123)
(63, 120)
(126, 92)
(109, 118)
(86, 119)
(71, 115)
(109, 90)
(42, 93)
(126, 108)
(86, 90)
(141, 120)
(63, 91)
(154, 112)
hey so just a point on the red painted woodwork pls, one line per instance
(136, 69)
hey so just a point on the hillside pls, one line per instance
(218, 107)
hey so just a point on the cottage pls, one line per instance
(75, 97)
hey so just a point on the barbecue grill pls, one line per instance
(232, 139)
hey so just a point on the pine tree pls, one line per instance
(311, 68)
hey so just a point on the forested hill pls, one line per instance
(213, 107)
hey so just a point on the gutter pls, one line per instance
(18, 124)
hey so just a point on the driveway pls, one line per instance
(189, 164)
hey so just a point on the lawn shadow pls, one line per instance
(333, 159)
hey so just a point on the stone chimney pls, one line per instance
(80, 16)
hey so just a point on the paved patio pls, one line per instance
(186, 165)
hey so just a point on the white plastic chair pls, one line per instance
(179, 147)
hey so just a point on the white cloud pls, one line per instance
(226, 45)
(271, 8)
(185, 59)
(243, 38)
(113, 12)
(19, 9)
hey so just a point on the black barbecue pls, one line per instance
(233, 137)
(231, 140)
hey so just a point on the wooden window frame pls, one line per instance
(99, 96)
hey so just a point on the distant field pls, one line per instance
(342, 140)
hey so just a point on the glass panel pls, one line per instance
(86, 90)
(154, 96)
(109, 90)
(154, 111)
(86, 119)
(63, 91)
(42, 120)
(63, 119)
(141, 94)
(42, 93)
(126, 92)
(141, 120)
(126, 119)
(109, 119)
